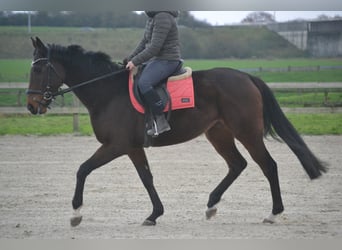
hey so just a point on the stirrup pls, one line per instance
(155, 131)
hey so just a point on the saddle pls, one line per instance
(176, 92)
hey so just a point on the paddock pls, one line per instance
(37, 181)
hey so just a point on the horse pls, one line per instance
(229, 105)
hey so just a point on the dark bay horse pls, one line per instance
(229, 105)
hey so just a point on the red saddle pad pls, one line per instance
(181, 93)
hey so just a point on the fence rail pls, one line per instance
(276, 86)
(291, 69)
(77, 109)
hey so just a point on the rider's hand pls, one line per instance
(130, 65)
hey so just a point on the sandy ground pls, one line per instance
(37, 179)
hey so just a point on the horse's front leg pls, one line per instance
(103, 155)
(139, 160)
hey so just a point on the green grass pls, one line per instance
(313, 76)
(14, 70)
(17, 97)
(17, 70)
(42, 125)
(12, 97)
(317, 99)
(291, 76)
(16, 42)
(309, 124)
(317, 124)
(265, 63)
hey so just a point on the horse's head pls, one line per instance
(46, 77)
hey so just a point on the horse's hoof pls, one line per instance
(149, 223)
(210, 212)
(268, 221)
(75, 221)
(271, 219)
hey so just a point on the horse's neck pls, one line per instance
(98, 94)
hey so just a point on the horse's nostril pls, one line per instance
(31, 109)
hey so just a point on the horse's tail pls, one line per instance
(275, 122)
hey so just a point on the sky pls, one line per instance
(232, 17)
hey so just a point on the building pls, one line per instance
(318, 38)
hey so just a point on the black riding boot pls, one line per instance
(160, 124)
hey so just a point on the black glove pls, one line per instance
(125, 61)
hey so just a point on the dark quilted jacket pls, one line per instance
(160, 40)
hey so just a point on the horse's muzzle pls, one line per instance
(32, 109)
(36, 109)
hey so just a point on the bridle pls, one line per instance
(48, 95)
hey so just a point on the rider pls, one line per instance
(159, 49)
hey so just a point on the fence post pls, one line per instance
(19, 98)
(326, 100)
(75, 115)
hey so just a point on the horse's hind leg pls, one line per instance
(223, 141)
(139, 160)
(256, 147)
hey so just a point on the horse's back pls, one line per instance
(226, 85)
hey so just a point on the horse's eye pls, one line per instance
(37, 69)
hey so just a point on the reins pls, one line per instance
(63, 91)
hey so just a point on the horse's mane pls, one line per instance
(88, 61)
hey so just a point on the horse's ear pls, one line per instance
(34, 42)
(39, 44)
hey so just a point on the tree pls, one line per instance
(186, 19)
(258, 17)
(323, 17)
